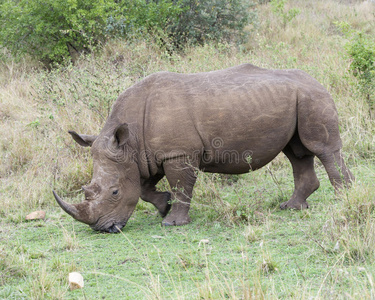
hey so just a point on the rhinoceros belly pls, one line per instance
(250, 147)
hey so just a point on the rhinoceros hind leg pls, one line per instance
(318, 129)
(181, 178)
(161, 200)
(305, 180)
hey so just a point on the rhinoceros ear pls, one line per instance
(83, 139)
(121, 134)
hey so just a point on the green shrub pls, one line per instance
(360, 50)
(131, 18)
(278, 7)
(204, 20)
(52, 30)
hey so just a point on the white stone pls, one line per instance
(75, 281)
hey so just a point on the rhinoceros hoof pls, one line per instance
(164, 209)
(294, 204)
(175, 221)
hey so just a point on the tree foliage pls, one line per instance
(53, 30)
(131, 18)
(360, 49)
(203, 20)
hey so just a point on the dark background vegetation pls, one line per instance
(52, 30)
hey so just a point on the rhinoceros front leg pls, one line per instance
(161, 200)
(305, 180)
(181, 178)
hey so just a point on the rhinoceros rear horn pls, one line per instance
(72, 209)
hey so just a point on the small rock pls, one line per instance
(75, 281)
(36, 215)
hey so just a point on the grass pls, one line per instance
(239, 245)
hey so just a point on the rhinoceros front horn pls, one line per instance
(70, 209)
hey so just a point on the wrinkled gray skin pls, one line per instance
(229, 121)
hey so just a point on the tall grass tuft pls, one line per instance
(351, 228)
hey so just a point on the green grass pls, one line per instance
(239, 244)
(289, 254)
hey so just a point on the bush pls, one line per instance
(204, 20)
(131, 18)
(278, 7)
(360, 50)
(53, 30)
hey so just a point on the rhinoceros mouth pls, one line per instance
(114, 228)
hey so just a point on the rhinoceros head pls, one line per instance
(114, 190)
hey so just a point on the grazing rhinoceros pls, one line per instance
(229, 121)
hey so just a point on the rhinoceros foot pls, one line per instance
(176, 220)
(165, 206)
(294, 204)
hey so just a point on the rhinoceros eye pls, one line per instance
(115, 192)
